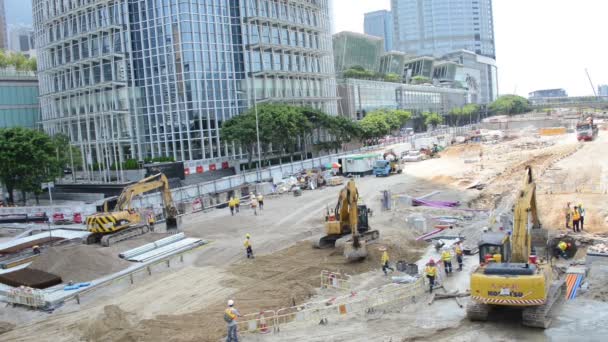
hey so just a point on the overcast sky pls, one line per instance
(539, 43)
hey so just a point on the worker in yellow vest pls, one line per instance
(431, 273)
(446, 257)
(385, 261)
(232, 205)
(576, 219)
(459, 254)
(248, 247)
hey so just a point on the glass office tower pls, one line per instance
(137, 79)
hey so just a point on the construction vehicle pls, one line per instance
(389, 164)
(586, 130)
(348, 225)
(120, 221)
(510, 273)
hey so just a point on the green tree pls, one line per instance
(62, 152)
(342, 130)
(241, 129)
(391, 77)
(374, 126)
(432, 120)
(27, 158)
(420, 79)
(510, 105)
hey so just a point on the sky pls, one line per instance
(540, 44)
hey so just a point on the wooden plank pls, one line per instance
(432, 299)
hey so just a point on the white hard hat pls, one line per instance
(230, 302)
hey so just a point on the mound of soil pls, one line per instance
(79, 263)
(114, 324)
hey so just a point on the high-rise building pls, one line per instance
(141, 79)
(21, 39)
(380, 24)
(3, 27)
(602, 90)
(436, 27)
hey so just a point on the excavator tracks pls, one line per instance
(478, 311)
(538, 316)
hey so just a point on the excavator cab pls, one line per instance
(492, 244)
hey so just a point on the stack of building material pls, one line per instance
(163, 247)
(31, 278)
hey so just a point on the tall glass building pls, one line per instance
(436, 27)
(129, 79)
(380, 24)
(356, 49)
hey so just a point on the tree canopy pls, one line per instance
(432, 119)
(17, 60)
(510, 105)
(27, 159)
(382, 122)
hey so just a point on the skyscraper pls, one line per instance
(141, 79)
(380, 24)
(21, 39)
(436, 27)
(3, 27)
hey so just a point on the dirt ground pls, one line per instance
(185, 304)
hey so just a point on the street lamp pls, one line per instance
(257, 124)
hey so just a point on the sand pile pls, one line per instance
(6, 327)
(113, 324)
(79, 263)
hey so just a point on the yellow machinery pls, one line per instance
(510, 275)
(122, 222)
(349, 225)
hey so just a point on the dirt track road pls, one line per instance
(180, 303)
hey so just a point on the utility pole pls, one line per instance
(590, 82)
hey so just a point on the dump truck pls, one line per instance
(389, 164)
(586, 130)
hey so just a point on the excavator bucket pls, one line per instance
(355, 251)
(171, 223)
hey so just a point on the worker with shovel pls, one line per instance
(230, 316)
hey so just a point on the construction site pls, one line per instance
(498, 191)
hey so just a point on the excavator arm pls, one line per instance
(158, 181)
(524, 213)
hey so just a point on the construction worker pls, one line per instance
(254, 203)
(576, 219)
(36, 249)
(431, 272)
(232, 205)
(568, 214)
(230, 316)
(385, 261)
(260, 199)
(459, 254)
(562, 246)
(248, 248)
(446, 257)
(237, 201)
(581, 211)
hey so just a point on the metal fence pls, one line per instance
(569, 188)
(190, 193)
(382, 298)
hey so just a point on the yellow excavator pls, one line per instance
(121, 221)
(348, 226)
(510, 274)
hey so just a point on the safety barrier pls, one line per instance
(381, 298)
(569, 188)
(26, 296)
(335, 280)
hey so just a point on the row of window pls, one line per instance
(84, 76)
(88, 47)
(283, 11)
(275, 61)
(267, 34)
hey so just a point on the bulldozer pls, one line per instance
(119, 221)
(348, 225)
(510, 273)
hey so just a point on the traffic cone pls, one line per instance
(263, 326)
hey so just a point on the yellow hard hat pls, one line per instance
(247, 235)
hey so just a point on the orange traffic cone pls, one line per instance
(263, 326)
